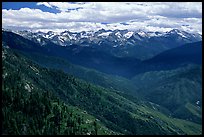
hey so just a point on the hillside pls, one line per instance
(175, 90)
(116, 114)
(97, 68)
(173, 58)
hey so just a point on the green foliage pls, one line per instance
(174, 89)
(87, 74)
(35, 111)
(39, 101)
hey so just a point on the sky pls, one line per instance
(92, 16)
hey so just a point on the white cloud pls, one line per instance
(45, 4)
(159, 16)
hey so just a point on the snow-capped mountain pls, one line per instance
(123, 43)
(115, 37)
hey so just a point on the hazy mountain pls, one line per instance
(170, 59)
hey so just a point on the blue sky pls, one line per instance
(31, 5)
(85, 16)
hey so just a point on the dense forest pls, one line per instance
(28, 109)
(39, 100)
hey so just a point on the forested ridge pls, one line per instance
(38, 100)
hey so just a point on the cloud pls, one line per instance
(78, 16)
(62, 6)
(45, 4)
(177, 10)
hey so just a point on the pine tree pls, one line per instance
(95, 128)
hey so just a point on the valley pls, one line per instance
(79, 86)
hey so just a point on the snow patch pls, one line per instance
(105, 34)
(39, 40)
(154, 34)
(87, 34)
(73, 36)
(61, 39)
(181, 35)
(128, 34)
(143, 34)
(49, 36)
(118, 34)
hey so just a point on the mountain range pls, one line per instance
(120, 81)
(121, 43)
(100, 56)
